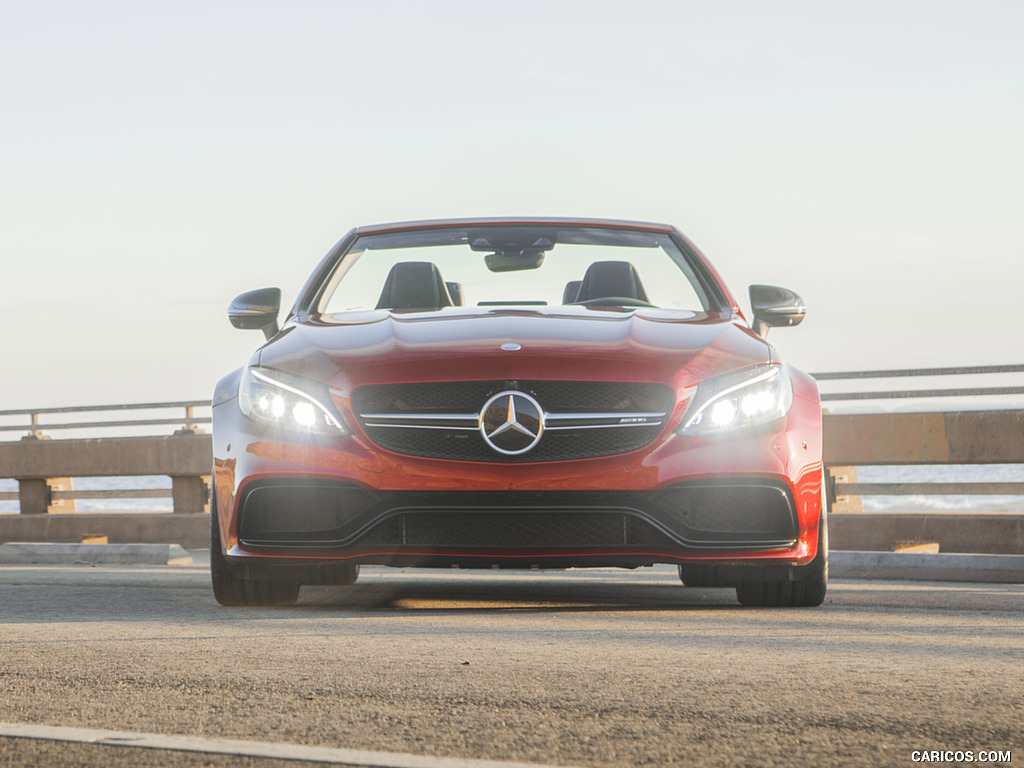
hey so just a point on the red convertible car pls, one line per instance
(517, 393)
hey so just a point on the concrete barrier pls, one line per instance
(997, 534)
(981, 437)
(93, 554)
(897, 566)
(34, 461)
(189, 530)
(940, 437)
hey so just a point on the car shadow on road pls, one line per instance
(517, 592)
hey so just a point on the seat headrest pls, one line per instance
(414, 285)
(605, 279)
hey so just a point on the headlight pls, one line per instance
(290, 401)
(757, 395)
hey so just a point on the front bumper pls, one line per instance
(737, 502)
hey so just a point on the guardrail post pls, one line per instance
(190, 495)
(35, 495)
(842, 504)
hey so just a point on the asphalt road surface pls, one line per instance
(583, 668)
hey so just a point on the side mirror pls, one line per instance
(257, 310)
(775, 307)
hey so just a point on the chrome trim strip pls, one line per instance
(421, 426)
(609, 415)
(471, 421)
(454, 421)
(601, 420)
(420, 416)
(608, 426)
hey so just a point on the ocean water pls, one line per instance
(896, 474)
(943, 473)
(106, 484)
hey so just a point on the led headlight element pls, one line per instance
(757, 395)
(290, 401)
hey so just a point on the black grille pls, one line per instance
(697, 515)
(302, 511)
(556, 397)
(504, 530)
(727, 512)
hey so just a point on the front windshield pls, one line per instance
(512, 265)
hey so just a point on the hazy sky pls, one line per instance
(158, 159)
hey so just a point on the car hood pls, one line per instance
(514, 343)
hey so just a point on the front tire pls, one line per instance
(806, 592)
(699, 576)
(232, 590)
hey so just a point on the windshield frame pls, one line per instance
(704, 278)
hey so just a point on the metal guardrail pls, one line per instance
(921, 372)
(188, 420)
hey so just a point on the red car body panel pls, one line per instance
(577, 344)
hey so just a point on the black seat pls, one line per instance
(455, 291)
(607, 279)
(414, 285)
(571, 291)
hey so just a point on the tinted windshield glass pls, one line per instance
(514, 266)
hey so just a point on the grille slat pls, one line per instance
(432, 419)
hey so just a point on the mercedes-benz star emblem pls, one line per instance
(512, 422)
